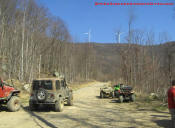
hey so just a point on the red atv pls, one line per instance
(9, 96)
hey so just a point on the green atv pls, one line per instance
(124, 92)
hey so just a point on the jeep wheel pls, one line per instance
(121, 99)
(59, 105)
(70, 101)
(132, 98)
(32, 106)
(14, 104)
(101, 95)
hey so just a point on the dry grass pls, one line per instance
(144, 102)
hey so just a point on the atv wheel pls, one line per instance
(132, 98)
(32, 106)
(70, 100)
(121, 99)
(59, 105)
(112, 94)
(14, 104)
(101, 95)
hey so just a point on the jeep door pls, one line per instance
(58, 87)
(64, 88)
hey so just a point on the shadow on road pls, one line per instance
(113, 101)
(117, 101)
(163, 123)
(26, 109)
(98, 97)
(106, 97)
(160, 116)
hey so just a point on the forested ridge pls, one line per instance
(33, 43)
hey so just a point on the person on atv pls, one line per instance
(117, 89)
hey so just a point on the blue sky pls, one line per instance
(82, 15)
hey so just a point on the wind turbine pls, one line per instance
(89, 35)
(119, 34)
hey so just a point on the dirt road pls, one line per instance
(88, 112)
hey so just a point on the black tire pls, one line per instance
(41, 95)
(59, 105)
(70, 100)
(101, 95)
(14, 104)
(132, 98)
(121, 99)
(33, 106)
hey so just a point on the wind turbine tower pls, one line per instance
(118, 34)
(89, 35)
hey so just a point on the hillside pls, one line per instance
(108, 56)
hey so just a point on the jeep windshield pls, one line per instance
(46, 84)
